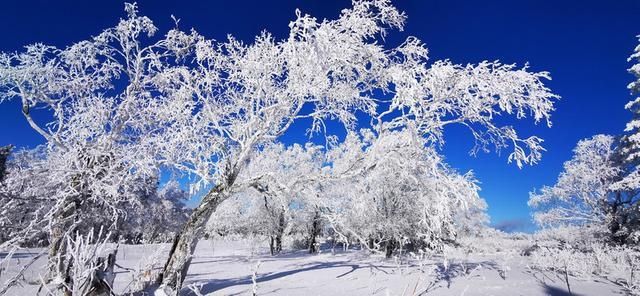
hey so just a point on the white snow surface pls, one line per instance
(225, 267)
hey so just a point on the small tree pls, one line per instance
(282, 179)
(406, 196)
(566, 262)
(600, 185)
(582, 193)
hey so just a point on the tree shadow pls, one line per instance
(442, 274)
(551, 290)
(555, 291)
(462, 269)
(18, 255)
(219, 284)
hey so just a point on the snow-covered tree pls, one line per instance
(283, 180)
(394, 191)
(600, 186)
(25, 195)
(287, 179)
(407, 197)
(203, 107)
(246, 95)
(95, 130)
(582, 194)
(625, 209)
(155, 215)
(630, 143)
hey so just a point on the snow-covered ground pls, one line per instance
(226, 268)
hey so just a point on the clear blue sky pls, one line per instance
(584, 44)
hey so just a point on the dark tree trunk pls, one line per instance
(278, 248)
(275, 240)
(184, 244)
(371, 243)
(314, 233)
(566, 280)
(272, 247)
(5, 151)
(618, 220)
(280, 233)
(389, 247)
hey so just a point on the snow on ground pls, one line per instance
(226, 268)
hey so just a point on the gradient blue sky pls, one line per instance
(584, 44)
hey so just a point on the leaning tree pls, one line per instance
(236, 97)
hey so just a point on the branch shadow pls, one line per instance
(550, 290)
(442, 274)
(219, 284)
(555, 291)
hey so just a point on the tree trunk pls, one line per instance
(184, 244)
(280, 231)
(5, 151)
(566, 280)
(278, 247)
(272, 247)
(63, 224)
(313, 234)
(389, 246)
(275, 239)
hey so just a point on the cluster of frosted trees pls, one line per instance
(402, 196)
(150, 214)
(126, 106)
(598, 188)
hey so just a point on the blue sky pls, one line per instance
(584, 44)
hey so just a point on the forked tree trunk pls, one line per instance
(184, 244)
(275, 240)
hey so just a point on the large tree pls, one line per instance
(202, 107)
(239, 97)
(90, 102)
